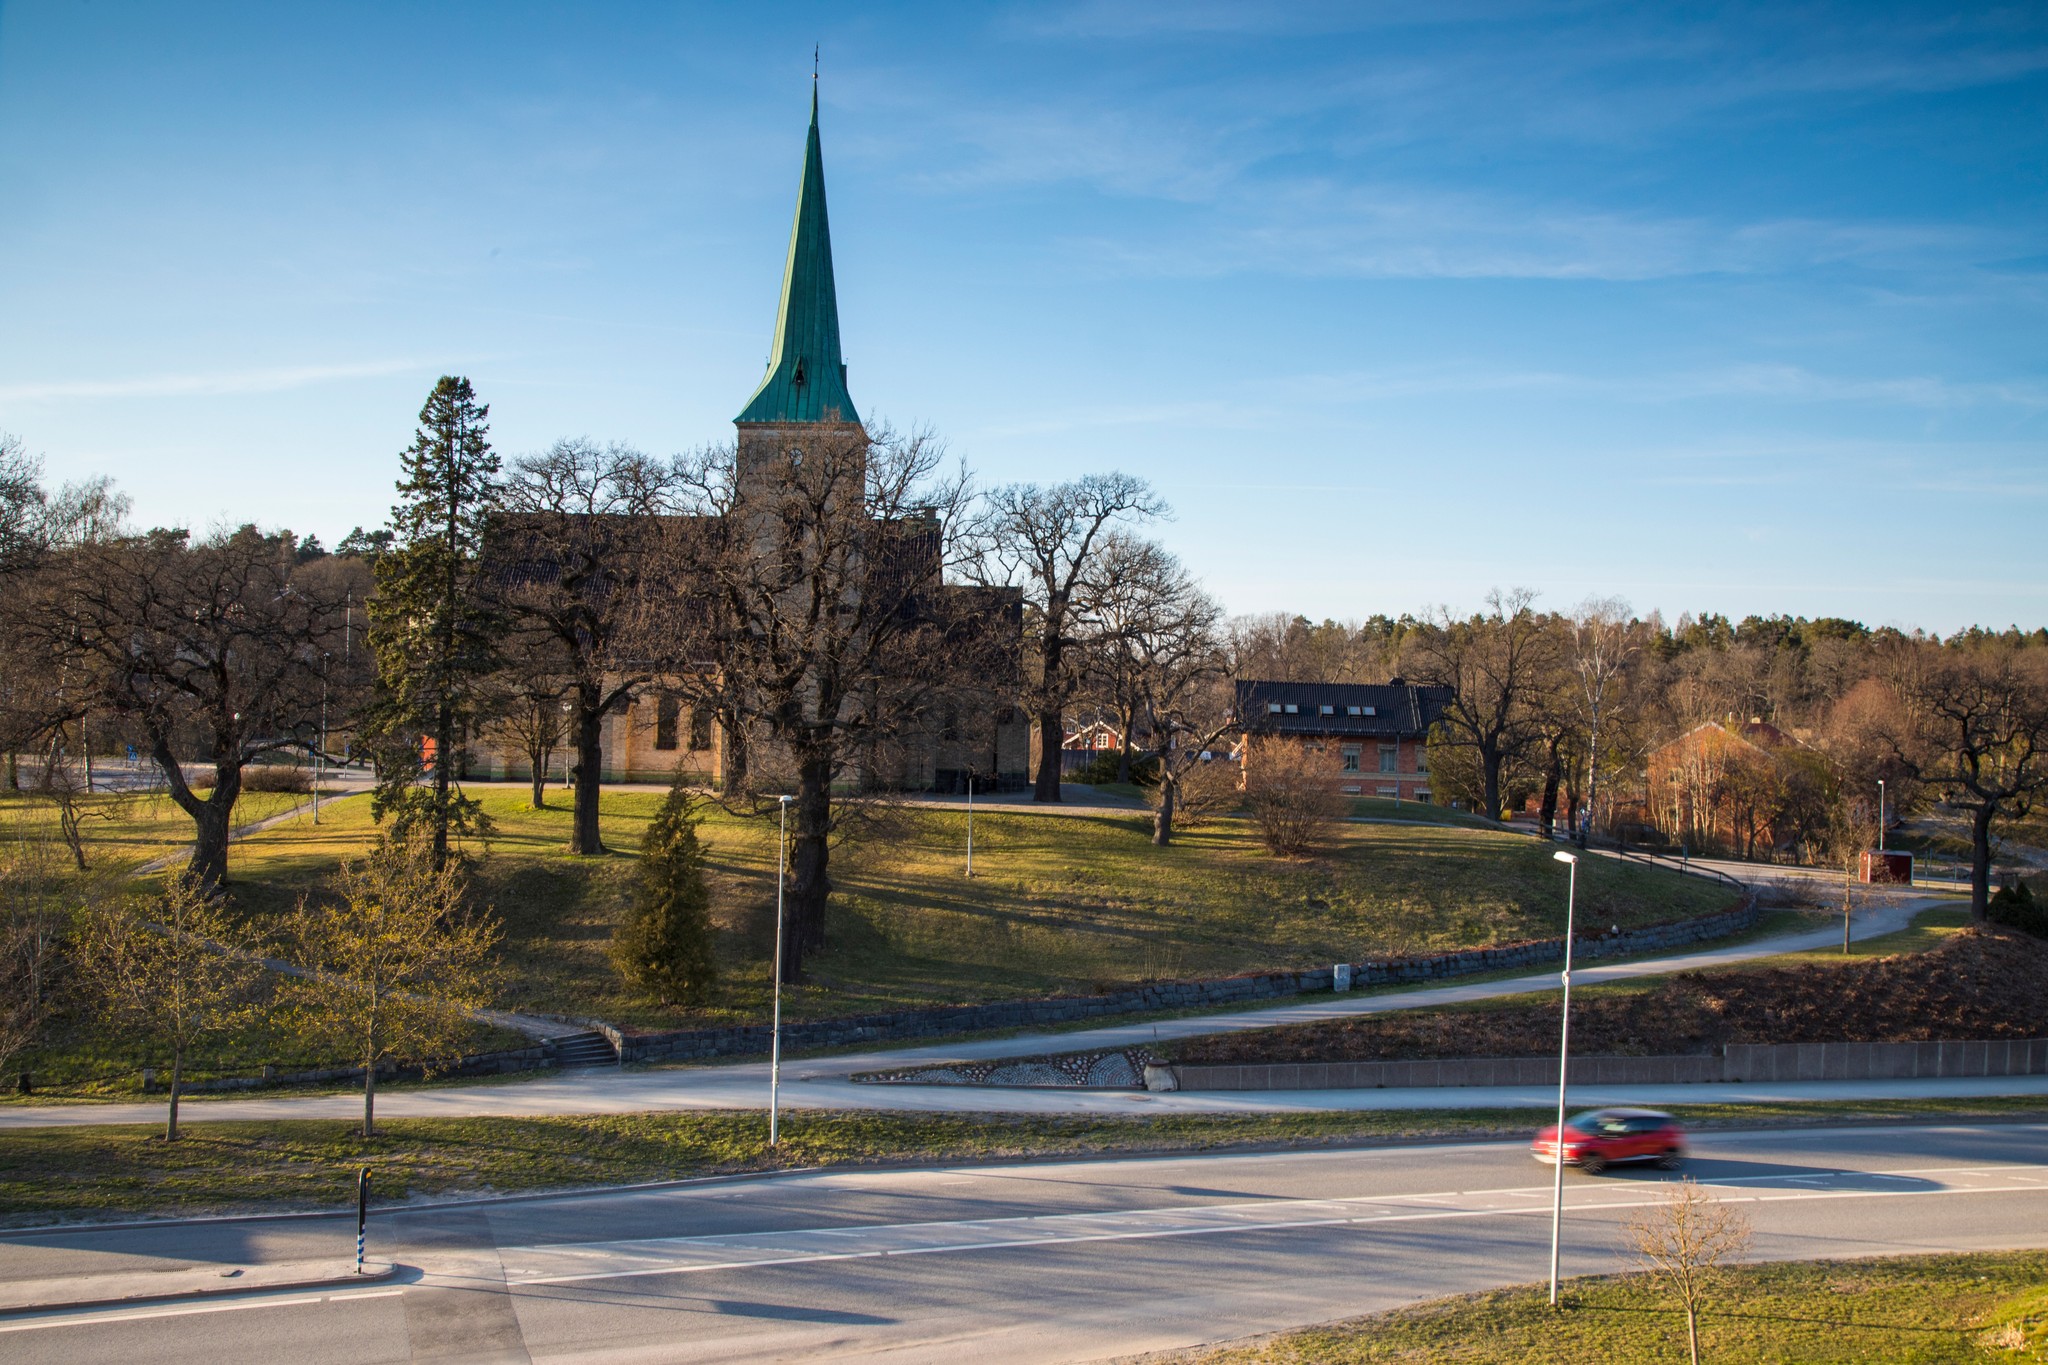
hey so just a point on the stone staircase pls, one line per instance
(584, 1049)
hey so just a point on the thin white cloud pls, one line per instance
(265, 380)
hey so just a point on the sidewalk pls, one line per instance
(191, 1282)
(823, 1082)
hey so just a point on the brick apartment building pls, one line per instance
(1378, 733)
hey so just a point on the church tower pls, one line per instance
(802, 402)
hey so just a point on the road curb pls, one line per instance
(171, 1286)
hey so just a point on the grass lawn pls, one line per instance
(1919, 1309)
(1059, 903)
(1386, 808)
(123, 830)
(47, 1174)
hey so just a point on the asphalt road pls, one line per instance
(1021, 1263)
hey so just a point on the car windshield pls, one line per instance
(1592, 1121)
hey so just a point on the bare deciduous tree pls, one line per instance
(1048, 540)
(1493, 663)
(569, 555)
(1683, 1240)
(813, 619)
(1974, 726)
(222, 646)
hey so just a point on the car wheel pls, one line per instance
(1592, 1163)
(1671, 1160)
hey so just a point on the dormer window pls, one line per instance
(797, 379)
(1272, 708)
(1292, 709)
(1354, 710)
(1326, 710)
(1370, 710)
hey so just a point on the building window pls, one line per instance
(1326, 710)
(949, 723)
(665, 711)
(1354, 710)
(1272, 708)
(1390, 758)
(700, 728)
(1292, 709)
(1353, 790)
(1351, 758)
(1422, 758)
(1394, 792)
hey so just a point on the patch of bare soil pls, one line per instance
(1977, 984)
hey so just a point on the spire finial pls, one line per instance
(814, 63)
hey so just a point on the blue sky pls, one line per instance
(1712, 307)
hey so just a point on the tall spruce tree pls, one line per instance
(432, 624)
(663, 946)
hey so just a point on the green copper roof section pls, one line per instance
(806, 381)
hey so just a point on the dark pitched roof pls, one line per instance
(1383, 710)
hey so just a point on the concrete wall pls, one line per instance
(1746, 1062)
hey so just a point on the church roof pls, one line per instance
(806, 379)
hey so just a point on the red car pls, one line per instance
(1598, 1138)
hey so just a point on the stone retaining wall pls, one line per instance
(1738, 1062)
(482, 1064)
(946, 1021)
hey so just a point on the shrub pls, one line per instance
(1291, 791)
(1103, 768)
(2015, 907)
(663, 946)
(275, 777)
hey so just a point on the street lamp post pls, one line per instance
(1880, 815)
(970, 822)
(775, 1032)
(1564, 1053)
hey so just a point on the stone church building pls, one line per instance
(804, 400)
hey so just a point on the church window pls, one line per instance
(700, 728)
(665, 710)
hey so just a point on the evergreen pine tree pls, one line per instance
(431, 625)
(663, 947)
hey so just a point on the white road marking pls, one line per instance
(95, 1319)
(563, 1263)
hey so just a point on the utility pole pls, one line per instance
(775, 1032)
(1564, 1056)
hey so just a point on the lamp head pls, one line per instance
(1565, 857)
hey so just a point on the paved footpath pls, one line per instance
(824, 1082)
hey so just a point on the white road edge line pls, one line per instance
(94, 1319)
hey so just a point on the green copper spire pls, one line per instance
(806, 381)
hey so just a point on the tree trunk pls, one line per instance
(1052, 736)
(1123, 752)
(369, 1099)
(211, 821)
(589, 773)
(1980, 864)
(1490, 761)
(177, 1083)
(444, 761)
(810, 887)
(1162, 818)
(540, 783)
(1692, 1332)
(1553, 778)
